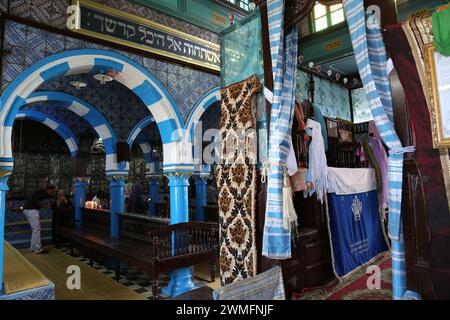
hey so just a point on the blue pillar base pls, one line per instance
(180, 282)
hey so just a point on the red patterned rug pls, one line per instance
(354, 287)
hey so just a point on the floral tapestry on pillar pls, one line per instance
(236, 181)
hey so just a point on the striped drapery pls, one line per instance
(370, 55)
(276, 237)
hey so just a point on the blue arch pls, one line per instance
(83, 109)
(206, 101)
(129, 73)
(134, 136)
(64, 132)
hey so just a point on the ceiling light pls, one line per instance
(103, 78)
(78, 84)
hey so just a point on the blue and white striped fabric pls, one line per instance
(265, 286)
(64, 132)
(371, 59)
(276, 238)
(398, 268)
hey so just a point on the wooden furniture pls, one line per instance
(147, 244)
(99, 219)
(311, 263)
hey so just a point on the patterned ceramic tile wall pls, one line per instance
(27, 45)
(53, 12)
(333, 100)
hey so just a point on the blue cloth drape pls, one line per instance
(371, 59)
(355, 232)
(276, 238)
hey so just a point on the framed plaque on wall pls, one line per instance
(438, 73)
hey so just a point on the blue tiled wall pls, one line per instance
(17, 228)
(27, 45)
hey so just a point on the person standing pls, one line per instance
(135, 203)
(31, 211)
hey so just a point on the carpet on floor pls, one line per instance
(354, 287)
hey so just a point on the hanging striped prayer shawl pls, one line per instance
(276, 238)
(371, 59)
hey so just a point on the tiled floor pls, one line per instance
(130, 277)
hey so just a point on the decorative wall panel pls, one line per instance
(361, 107)
(332, 99)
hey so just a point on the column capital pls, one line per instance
(116, 173)
(80, 180)
(202, 171)
(178, 178)
(4, 175)
(116, 181)
(153, 177)
(201, 178)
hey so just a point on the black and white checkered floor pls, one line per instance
(130, 277)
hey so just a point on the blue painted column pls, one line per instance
(153, 187)
(117, 190)
(181, 279)
(3, 189)
(79, 185)
(202, 172)
(200, 198)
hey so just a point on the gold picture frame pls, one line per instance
(438, 109)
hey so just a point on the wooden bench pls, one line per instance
(149, 246)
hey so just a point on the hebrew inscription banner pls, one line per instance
(114, 25)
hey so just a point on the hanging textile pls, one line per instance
(265, 286)
(277, 238)
(320, 119)
(382, 160)
(355, 229)
(441, 31)
(317, 167)
(371, 59)
(419, 35)
(405, 42)
(235, 176)
(241, 50)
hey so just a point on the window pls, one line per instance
(327, 16)
(243, 4)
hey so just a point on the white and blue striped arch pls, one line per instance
(129, 73)
(64, 132)
(206, 101)
(152, 167)
(134, 136)
(95, 119)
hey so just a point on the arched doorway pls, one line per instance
(177, 155)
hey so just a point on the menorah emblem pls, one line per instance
(357, 208)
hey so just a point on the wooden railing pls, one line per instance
(184, 239)
(138, 227)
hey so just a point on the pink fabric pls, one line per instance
(381, 158)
